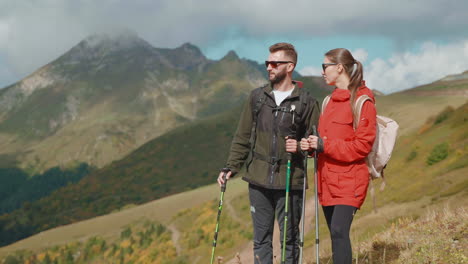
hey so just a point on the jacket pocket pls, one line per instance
(340, 180)
(362, 181)
(343, 119)
(342, 127)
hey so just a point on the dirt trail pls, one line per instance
(246, 254)
(175, 238)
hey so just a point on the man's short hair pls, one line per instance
(288, 49)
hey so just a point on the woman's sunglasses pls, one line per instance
(275, 64)
(325, 65)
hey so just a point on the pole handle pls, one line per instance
(225, 172)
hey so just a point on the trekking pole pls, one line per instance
(286, 200)
(301, 243)
(220, 208)
(316, 202)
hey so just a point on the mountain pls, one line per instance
(185, 158)
(109, 94)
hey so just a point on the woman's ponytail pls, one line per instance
(355, 72)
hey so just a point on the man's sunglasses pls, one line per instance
(325, 65)
(275, 64)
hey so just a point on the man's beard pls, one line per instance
(279, 77)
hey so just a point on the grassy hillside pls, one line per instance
(111, 225)
(426, 174)
(176, 162)
(439, 236)
(149, 242)
(18, 188)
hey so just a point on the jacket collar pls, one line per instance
(295, 93)
(340, 95)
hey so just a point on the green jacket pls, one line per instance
(266, 161)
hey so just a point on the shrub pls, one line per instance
(412, 155)
(126, 233)
(12, 260)
(438, 153)
(442, 116)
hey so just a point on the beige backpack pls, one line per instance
(385, 138)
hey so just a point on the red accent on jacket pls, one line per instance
(343, 176)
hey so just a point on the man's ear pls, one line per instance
(291, 67)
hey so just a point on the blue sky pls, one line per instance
(310, 49)
(402, 43)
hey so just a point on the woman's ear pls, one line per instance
(340, 68)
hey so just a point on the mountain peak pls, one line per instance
(124, 38)
(101, 44)
(190, 49)
(231, 55)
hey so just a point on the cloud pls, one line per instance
(360, 55)
(4, 33)
(409, 69)
(32, 33)
(311, 71)
(6, 76)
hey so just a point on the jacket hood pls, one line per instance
(341, 95)
(364, 90)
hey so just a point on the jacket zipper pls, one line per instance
(274, 148)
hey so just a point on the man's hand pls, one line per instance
(305, 145)
(220, 177)
(313, 141)
(291, 145)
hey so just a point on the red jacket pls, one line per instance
(343, 177)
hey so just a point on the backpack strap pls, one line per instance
(358, 108)
(325, 102)
(303, 97)
(261, 98)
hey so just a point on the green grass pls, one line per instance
(412, 185)
(141, 242)
(439, 236)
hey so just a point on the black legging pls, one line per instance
(339, 219)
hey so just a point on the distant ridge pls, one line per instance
(456, 77)
(456, 85)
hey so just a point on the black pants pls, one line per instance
(339, 219)
(263, 205)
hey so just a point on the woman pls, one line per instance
(343, 176)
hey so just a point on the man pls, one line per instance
(272, 118)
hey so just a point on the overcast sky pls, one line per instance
(402, 43)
